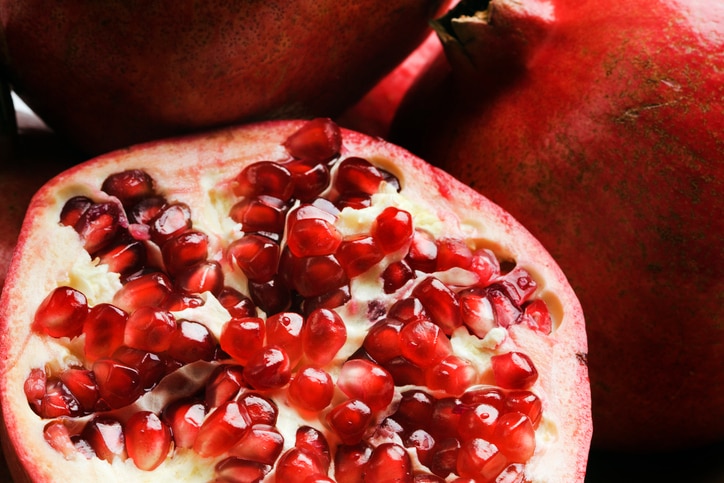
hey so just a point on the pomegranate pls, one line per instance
(107, 75)
(599, 125)
(158, 324)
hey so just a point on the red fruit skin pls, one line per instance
(599, 126)
(106, 75)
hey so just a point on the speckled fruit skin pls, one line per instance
(600, 125)
(110, 73)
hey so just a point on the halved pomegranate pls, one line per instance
(223, 359)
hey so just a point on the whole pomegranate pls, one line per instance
(600, 126)
(107, 74)
(285, 301)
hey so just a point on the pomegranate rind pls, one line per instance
(192, 168)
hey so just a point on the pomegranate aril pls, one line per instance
(513, 473)
(423, 343)
(441, 303)
(314, 442)
(407, 310)
(537, 316)
(396, 275)
(404, 372)
(485, 264)
(73, 209)
(149, 289)
(268, 368)
(365, 380)
(177, 301)
(106, 437)
(184, 250)
(422, 255)
(382, 341)
(256, 255)
(524, 402)
(311, 389)
(310, 179)
(453, 375)
(317, 140)
(151, 367)
(453, 252)
(192, 341)
(423, 443)
(350, 462)
(58, 401)
(358, 254)
(313, 236)
(34, 387)
(57, 435)
(296, 464)
(98, 226)
(350, 420)
(261, 410)
(358, 176)
(272, 297)
(285, 330)
(124, 257)
(171, 220)
(149, 329)
(81, 384)
(513, 370)
(62, 313)
(428, 478)
(518, 285)
(415, 409)
(146, 210)
(206, 276)
(184, 417)
(243, 337)
(224, 384)
(330, 300)
(477, 312)
(314, 276)
(478, 422)
(389, 462)
(148, 440)
(222, 429)
(445, 457)
(237, 304)
(505, 312)
(262, 444)
(129, 186)
(264, 178)
(324, 333)
(492, 396)
(446, 415)
(261, 214)
(237, 470)
(118, 384)
(514, 436)
(480, 459)
(392, 229)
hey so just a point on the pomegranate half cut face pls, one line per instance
(285, 301)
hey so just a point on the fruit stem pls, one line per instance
(8, 121)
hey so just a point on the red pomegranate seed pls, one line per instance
(513, 473)
(478, 422)
(404, 372)
(446, 416)
(57, 435)
(311, 389)
(297, 464)
(73, 209)
(423, 442)
(184, 417)
(514, 435)
(146, 210)
(118, 384)
(370, 383)
(129, 186)
(445, 457)
(396, 275)
(382, 341)
(34, 387)
(423, 343)
(148, 440)
(422, 255)
(518, 285)
(207, 276)
(268, 368)
(358, 176)
(392, 229)
(243, 337)
(390, 463)
(428, 478)
(183, 250)
(314, 442)
(82, 385)
(256, 255)
(524, 402)
(149, 329)
(222, 429)
(237, 470)
(505, 312)
(192, 341)
(264, 178)
(408, 310)
(171, 220)
(319, 209)
(358, 254)
(313, 276)
(485, 395)
(480, 459)
(349, 420)
(486, 265)
(62, 313)
(224, 384)
(151, 367)
(237, 304)
(513, 370)
(317, 140)
(330, 300)
(125, 257)
(313, 236)
(150, 289)
(285, 330)
(58, 401)
(453, 252)
(260, 214)
(98, 225)
(350, 462)
(415, 409)
(105, 435)
(310, 179)
(477, 312)
(262, 444)
(537, 316)
(440, 302)
(261, 410)
(452, 375)
(323, 335)
(272, 297)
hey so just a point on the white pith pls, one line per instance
(51, 257)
